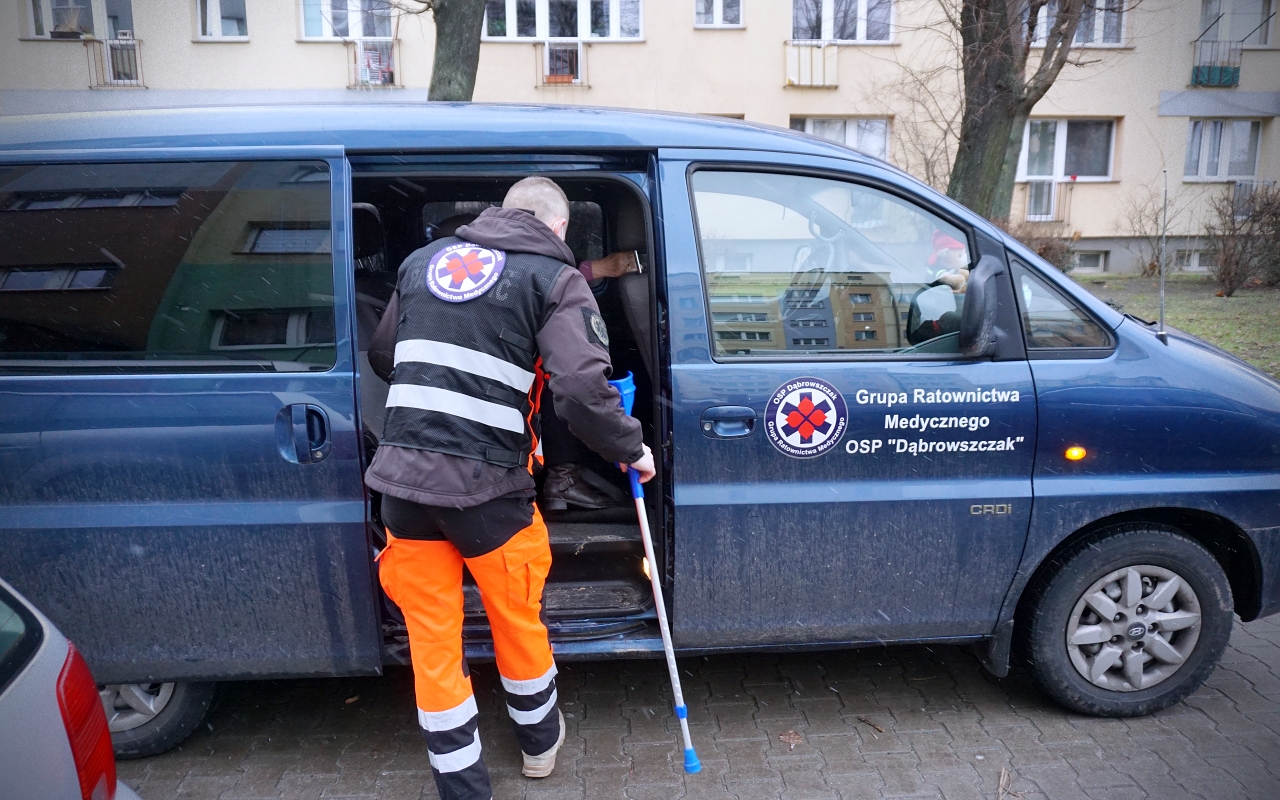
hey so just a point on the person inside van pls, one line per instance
(477, 324)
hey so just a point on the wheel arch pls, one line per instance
(1230, 546)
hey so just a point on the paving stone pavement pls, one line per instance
(919, 722)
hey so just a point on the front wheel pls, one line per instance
(146, 719)
(1127, 621)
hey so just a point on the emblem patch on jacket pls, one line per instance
(462, 272)
(597, 331)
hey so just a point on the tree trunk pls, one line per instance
(991, 88)
(453, 74)
(1002, 200)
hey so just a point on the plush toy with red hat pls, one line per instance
(950, 260)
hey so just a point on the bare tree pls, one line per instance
(1010, 58)
(1238, 236)
(458, 24)
(1142, 219)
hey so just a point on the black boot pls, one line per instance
(565, 486)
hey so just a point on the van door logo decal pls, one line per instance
(462, 272)
(805, 417)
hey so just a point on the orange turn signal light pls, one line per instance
(1075, 453)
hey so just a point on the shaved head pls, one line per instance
(540, 196)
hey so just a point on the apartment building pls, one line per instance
(1187, 86)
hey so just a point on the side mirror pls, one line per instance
(978, 318)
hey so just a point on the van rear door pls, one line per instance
(842, 472)
(179, 465)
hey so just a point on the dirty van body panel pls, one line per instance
(158, 501)
(1166, 427)
(862, 543)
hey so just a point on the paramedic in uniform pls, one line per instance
(478, 322)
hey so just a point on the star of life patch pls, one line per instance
(597, 331)
(805, 417)
(462, 272)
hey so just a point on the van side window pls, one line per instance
(171, 267)
(799, 265)
(1050, 320)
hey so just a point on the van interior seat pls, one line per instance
(634, 287)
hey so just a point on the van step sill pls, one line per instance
(575, 538)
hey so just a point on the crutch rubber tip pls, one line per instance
(691, 762)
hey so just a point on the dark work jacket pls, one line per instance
(575, 362)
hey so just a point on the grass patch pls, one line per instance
(1247, 325)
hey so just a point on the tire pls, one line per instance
(1091, 664)
(147, 719)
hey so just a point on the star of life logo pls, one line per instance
(805, 417)
(462, 272)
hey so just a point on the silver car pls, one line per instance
(54, 742)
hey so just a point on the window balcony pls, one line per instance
(115, 62)
(1216, 64)
(1046, 200)
(812, 64)
(373, 63)
(562, 63)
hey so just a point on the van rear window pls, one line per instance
(169, 267)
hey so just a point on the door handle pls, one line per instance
(302, 433)
(728, 422)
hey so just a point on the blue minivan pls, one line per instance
(880, 419)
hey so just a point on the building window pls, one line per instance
(870, 136)
(809, 323)
(44, 201)
(864, 336)
(1244, 21)
(805, 341)
(1191, 261)
(76, 19)
(55, 280)
(743, 336)
(1090, 262)
(563, 19)
(1222, 149)
(1061, 149)
(1101, 23)
(729, 317)
(841, 20)
(717, 13)
(280, 239)
(346, 19)
(272, 328)
(865, 316)
(222, 19)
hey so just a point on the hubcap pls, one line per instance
(129, 705)
(1133, 628)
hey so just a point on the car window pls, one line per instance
(1050, 319)
(19, 635)
(800, 265)
(187, 267)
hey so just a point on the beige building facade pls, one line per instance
(1187, 86)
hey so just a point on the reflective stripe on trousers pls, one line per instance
(424, 578)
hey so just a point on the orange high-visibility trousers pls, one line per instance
(424, 578)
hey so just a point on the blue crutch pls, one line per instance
(627, 388)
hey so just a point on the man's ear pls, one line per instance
(559, 227)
